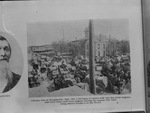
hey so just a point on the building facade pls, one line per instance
(99, 47)
(99, 43)
(45, 50)
(103, 45)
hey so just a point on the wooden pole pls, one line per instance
(91, 58)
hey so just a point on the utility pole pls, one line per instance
(91, 58)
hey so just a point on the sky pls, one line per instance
(47, 22)
(41, 33)
(45, 33)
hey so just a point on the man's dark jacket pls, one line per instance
(10, 85)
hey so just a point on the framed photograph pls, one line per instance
(74, 56)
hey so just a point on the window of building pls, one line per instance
(98, 53)
(98, 46)
(104, 53)
(103, 46)
(87, 53)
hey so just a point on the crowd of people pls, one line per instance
(117, 70)
(61, 72)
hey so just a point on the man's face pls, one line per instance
(5, 51)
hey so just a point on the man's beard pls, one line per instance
(4, 70)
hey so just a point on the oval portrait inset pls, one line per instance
(11, 62)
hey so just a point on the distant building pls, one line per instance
(46, 50)
(103, 44)
(99, 47)
(41, 49)
(100, 44)
(80, 43)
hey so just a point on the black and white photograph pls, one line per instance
(11, 62)
(112, 56)
(57, 62)
(59, 58)
(73, 56)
